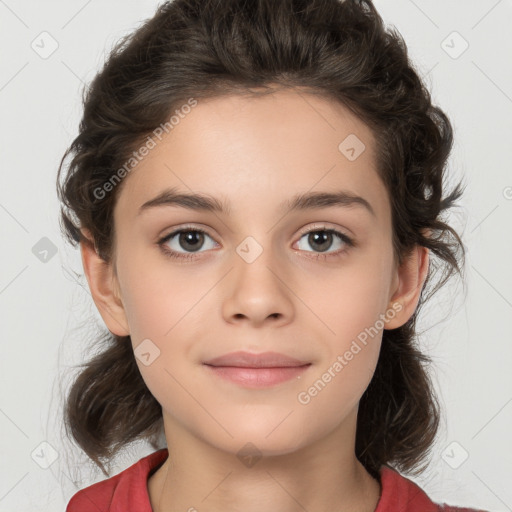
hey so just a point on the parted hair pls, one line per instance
(340, 50)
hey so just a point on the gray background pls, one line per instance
(48, 316)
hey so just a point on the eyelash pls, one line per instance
(348, 241)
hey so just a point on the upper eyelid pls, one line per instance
(321, 226)
(174, 231)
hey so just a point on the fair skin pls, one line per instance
(256, 153)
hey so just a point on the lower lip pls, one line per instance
(258, 377)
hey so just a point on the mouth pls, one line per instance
(256, 370)
(243, 359)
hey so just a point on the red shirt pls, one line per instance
(127, 492)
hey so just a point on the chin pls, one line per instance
(269, 438)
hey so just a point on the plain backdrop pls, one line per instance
(464, 52)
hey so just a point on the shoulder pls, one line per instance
(401, 493)
(126, 491)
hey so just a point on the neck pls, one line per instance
(316, 478)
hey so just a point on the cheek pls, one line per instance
(160, 297)
(350, 348)
(165, 304)
(349, 308)
(352, 298)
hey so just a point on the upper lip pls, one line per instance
(249, 360)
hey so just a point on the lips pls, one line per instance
(263, 360)
(256, 371)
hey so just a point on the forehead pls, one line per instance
(257, 150)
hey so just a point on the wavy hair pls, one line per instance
(199, 49)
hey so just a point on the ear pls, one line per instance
(410, 277)
(104, 287)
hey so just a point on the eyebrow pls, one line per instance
(299, 202)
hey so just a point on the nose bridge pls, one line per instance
(258, 258)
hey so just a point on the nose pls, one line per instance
(257, 292)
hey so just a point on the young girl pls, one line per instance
(256, 190)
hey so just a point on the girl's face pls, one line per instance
(255, 281)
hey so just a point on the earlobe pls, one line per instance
(103, 287)
(411, 276)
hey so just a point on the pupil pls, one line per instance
(316, 238)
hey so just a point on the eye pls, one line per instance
(189, 239)
(322, 238)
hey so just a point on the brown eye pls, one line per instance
(322, 239)
(189, 241)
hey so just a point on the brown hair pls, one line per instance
(207, 48)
